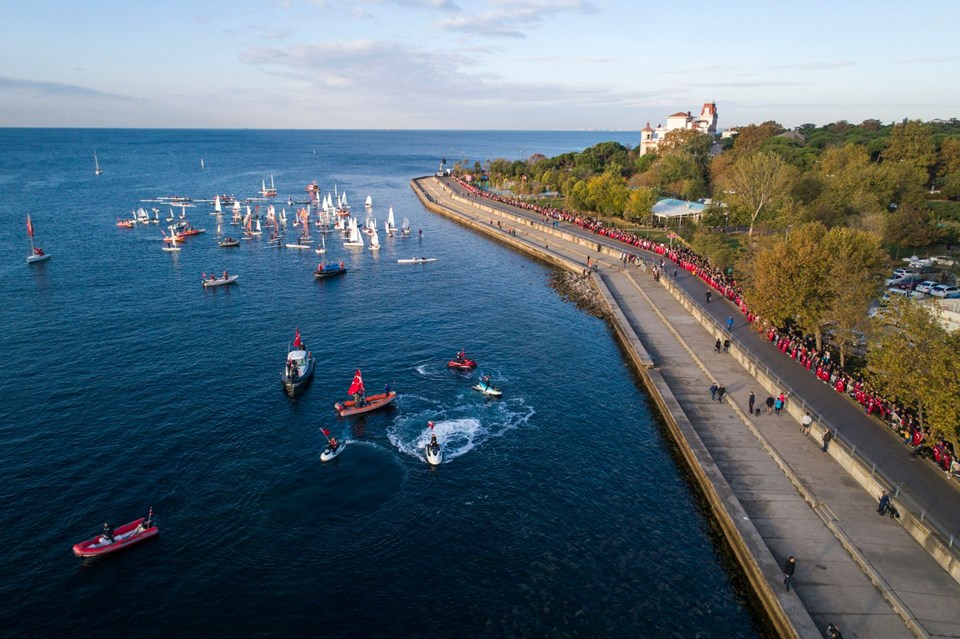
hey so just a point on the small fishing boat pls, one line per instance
(362, 403)
(432, 450)
(113, 540)
(417, 260)
(333, 448)
(299, 368)
(212, 281)
(487, 388)
(329, 270)
(228, 242)
(36, 253)
(462, 362)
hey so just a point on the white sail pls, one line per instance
(201, 163)
(390, 221)
(356, 239)
(216, 205)
(369, 202)
(374, 240)
(96, 164)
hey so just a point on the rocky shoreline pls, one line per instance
(578, 288)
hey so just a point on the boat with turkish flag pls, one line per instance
(111, 540)
(299, 369)
(361, 402)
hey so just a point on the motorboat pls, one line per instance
(462, 362)
(219, 281)
(299, 368)
(112, 541)
(325, 270)
(434, 454)
(362, 403)
(487, 388)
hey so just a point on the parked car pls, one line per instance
(902, 276)
(943, 290)
(943, 260)
(925, 286)
(919, 263)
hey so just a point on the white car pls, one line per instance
(921, 263)
(942, 290)
(943, 260)
(925, 286)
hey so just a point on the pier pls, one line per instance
(772, 490)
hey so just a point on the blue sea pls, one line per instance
(560, 510)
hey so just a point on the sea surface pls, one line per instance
(559, 511)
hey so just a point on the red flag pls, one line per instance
(29, 226)
(357, 385)
(296, 342)
(430, 424)
(325, 431)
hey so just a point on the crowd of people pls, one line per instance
(790, 341)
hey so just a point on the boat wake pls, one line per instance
(458, 431)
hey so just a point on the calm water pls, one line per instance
(558, 511)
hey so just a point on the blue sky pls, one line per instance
(483, 64)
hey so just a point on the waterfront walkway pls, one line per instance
(774, 486)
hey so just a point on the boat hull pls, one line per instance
(433, 458)
(329, 453)
(418, 260)
(294, 386)
(228, 243)
(374, 402)
(124, 536)
(220, 281)
(488, 390)
(329, 273)
(33, 259)
(465, 365)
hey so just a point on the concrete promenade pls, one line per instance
(772, 489)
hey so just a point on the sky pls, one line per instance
(482, 64)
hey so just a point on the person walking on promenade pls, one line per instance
(884, 504)
(726, 346)
(713, 391)
(827, 436)
(709, 295)
(750, 402)
(721, 391)
(730, 323)
(777, 406)
(788, 569)
(769, 404)
(718, 345)
(805, 424)
(833, 631)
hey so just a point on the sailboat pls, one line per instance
(170, 243)
(201, 164)
(355, 239)
(265, 192)
(374, 240)
(405, 228)
(96, 164)
(369, 202)
(36, 253)
(391, 223)
(323, 246)
(217, 209)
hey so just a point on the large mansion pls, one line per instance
(706, 123)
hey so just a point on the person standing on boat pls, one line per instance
(386, 388)
(486, 381)
(107, 532)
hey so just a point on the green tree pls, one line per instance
(639, 205)
(916, 362)
(912, 142)
(910, 227)
(757, 183)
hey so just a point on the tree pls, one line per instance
(750, 137)
(639, 204)
(910, 227)
(804, 277)
(912, 142)
(917, 362)
(758, 182)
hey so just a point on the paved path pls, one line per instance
(855, 568)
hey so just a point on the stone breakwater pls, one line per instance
(578, 288)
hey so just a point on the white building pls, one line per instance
(707, 123)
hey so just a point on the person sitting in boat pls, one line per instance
(224, 275)
(107, 532)
(434, 444)
(341, 263)
(37, 251)
(320, 267)
(334, 444)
